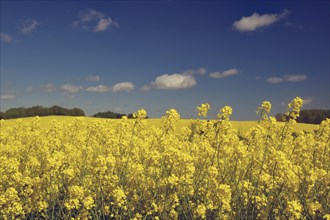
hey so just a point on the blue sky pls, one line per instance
(126, 55)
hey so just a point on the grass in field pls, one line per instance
(241, 126)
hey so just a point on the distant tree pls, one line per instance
(310, 116)
(56, 110)
(2, 115)
(38, 110)
(130, 115)
(108, 114)
(281, 117)
(15, 113)
(77, 112)
(313, 116)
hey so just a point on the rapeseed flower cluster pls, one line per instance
(294, 108)
(203, 109)
(123, 170)
(264, 110)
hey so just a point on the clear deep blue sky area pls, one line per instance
(157, 55)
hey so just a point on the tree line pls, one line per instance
(310, 116)
(40, 111)
(110, 114)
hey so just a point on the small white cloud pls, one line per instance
(146, 88)
(295, 78)
(286, 78)
(172, 81)
(103, 24)
(182, 80)
(220, 75)
(48, 87)
(44, 88)
(99, 88)
(201, 71)
(255, 21)
(123, 86)
(94, 20)
(92, 78)
(189, 72)
(5, 38)
(70, 89)
(8, 97)
(307, 101)
(274, 79)
(29, 25)
(90, 15)
(215, 74)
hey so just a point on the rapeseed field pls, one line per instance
(84, 168)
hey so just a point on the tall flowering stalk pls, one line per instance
(291, 115)
(264, 110)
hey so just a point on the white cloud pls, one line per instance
(172, 81)
(48, 87)
(189, 72)
(8, 97)
(287, 78)
(90, 15)
(103, 24)
(307, 101)
(182, 80)
(97, 21)
(92, 78)
(99, 88)
(5, 38)
(29, 25)
(70, 89)
(274, 79)
(199, 71)
(255, 21)
(219, 75)
(146, 88)
(295, 78)
(123, 86)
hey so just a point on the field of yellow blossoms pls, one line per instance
(99, 170)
